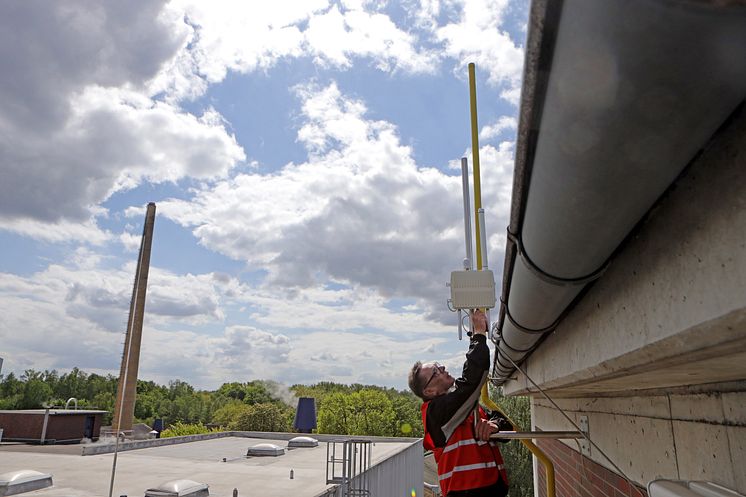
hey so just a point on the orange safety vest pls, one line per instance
(465, 463)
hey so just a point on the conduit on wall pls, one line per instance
(618, 97)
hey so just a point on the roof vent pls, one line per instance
(265, 449)
(305, 415)
(25, 480)
(296, 442)
(179, 488)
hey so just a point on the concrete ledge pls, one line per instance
(100, 448)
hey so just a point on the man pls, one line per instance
(469, 465)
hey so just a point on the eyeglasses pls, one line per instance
(437, 369)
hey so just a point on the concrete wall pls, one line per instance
(655, 352)
(676, 435)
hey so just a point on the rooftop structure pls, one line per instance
(47, 426)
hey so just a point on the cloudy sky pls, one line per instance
(304, 159)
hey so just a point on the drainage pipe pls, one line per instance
(613, 108)
(44, 427)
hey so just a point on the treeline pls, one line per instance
(253, 406)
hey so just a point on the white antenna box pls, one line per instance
(473, 289)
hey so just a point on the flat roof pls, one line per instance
(219, 462)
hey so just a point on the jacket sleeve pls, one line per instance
(446, 412)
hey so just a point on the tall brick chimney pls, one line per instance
(124, 410)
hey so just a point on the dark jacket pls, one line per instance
(447, 411)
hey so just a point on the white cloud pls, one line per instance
(130, 241)
(59, 231)
(334, 37)
(495, 129)
(75, 124)
(480, 37)
(246, 37)
(87, 125)
(359, 211)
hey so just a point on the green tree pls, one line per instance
(407, 414)
(262, 417)
(178, 388)
(335, 415)
(72, 384)
(234, 390)
(36, 394)
(258, 393)
(365, 412)
(229, 413)
(11, 392)
(11, 386)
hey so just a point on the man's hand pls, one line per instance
(485, 428)
(479, 322)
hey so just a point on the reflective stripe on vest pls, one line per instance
(462, 443)
(469, 467)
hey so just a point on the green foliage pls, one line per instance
(36, 394)
(253, 406)
(517, 456)
(262, 417)
(341, 409)
(180, 429)
(252, 392)
(365, 412)
(407, 414)
(229, 413)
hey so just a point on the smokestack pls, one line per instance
(124, 410)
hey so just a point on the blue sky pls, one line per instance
(303, 159)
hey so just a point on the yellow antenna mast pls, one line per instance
(475, 162)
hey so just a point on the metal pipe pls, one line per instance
(44, 428)
(483, 239)
(528, 435)
(460, 325)
(483, 243)
(67, 404)
(467, 213)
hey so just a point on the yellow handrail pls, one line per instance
(535, 450)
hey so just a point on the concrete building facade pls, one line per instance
(624, 294)
(654, 355)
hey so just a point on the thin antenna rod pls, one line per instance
(469, 262)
